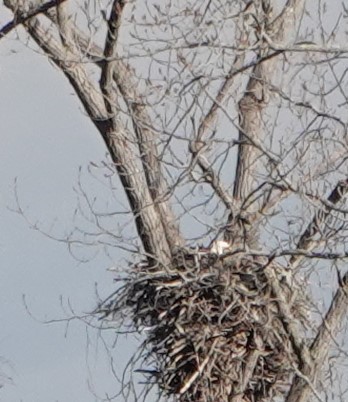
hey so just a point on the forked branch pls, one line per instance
(255, 97)
(21, 17)
(307, 240)
(146, 135)
(304, 384)
(148, 223)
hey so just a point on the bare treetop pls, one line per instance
(226, 124)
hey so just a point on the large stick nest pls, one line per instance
(215, 331)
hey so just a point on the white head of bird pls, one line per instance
(219, 247)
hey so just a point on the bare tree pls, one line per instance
(228, 118)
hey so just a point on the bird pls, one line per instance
(219, 247)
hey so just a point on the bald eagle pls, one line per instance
(219, 247)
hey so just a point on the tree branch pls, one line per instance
(148, 224)
(302, 385)
(290, 323)
(146, 142)
(196, 149)
(250, 364)
(145, 133)
(306, 241)
(255, 97)
(23, 17)
(206, 123)
(63, 25)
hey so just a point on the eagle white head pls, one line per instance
(219, 247)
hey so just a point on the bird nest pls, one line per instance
(214, 327)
